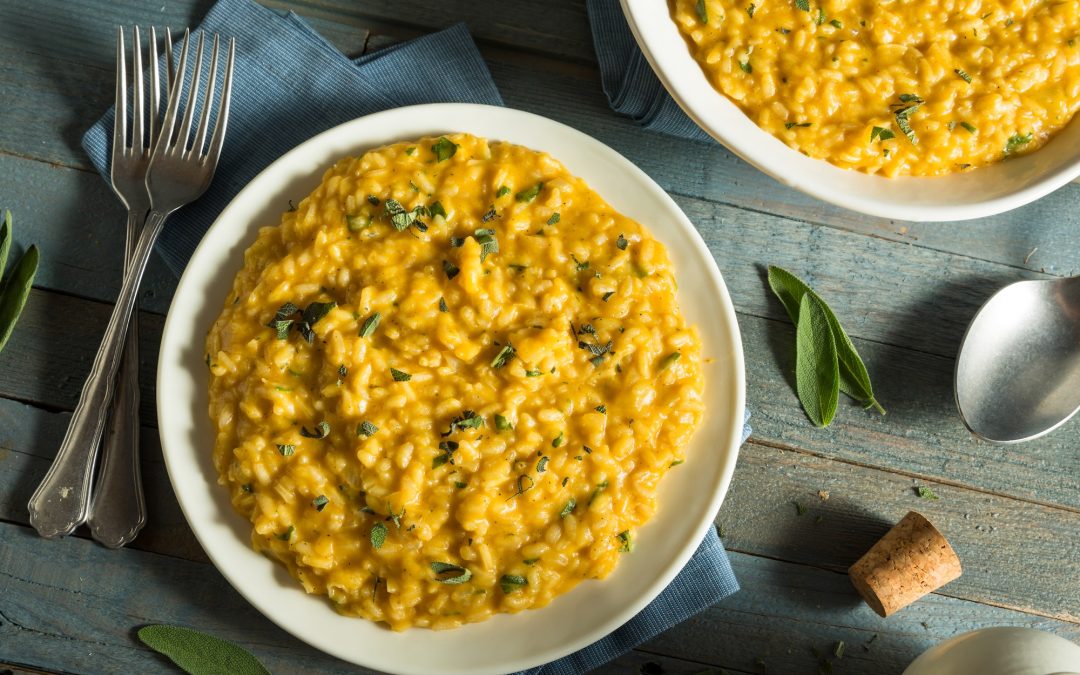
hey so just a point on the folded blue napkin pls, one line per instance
(630, 84)
(289, 85)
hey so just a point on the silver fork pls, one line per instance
(177, 175)
(117, 507)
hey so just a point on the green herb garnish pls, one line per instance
(541, 466)
(836, 23)
(196, 652)
(750, 10)
(621, 243)
(378, 535)
(357, 223)
(320, 502)
(820, 16)
(282, 319)
(853, 379)
(505, 355)
(600, 487)
(286, 535)
(804, 5)
(444, 149)
(450, 268)
(400, 375)
(512, 582)
(488, 243)
(925, 493)
(533, 373)
(745, 66)
(402, 219)
(410, 151)
(555, 217)
(373, 200)
(1017, 141)
(558, 440)
(502, 424)
(322, 430)
(607, 296)
(286, 449)
(522, 488)
(970, 128)
(448, 573)
(502, 191)
(529, 194)
(667, 361)
(602, 409)
(366, 428)
(246, 487)
(702, 11)
(460, 485)
(962, 75)
(882, 133)
(789, 125)
(448, 449)
(436, 209)
(627, 542)
(442, 305)
(370, 325)
(490, 215)
(569, 508)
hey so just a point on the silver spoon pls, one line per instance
(1018, 370)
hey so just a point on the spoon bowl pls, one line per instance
(1018, 370)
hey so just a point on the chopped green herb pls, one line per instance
(820, 16)
(962, 75)
(286, 449)
(557, 441)
(448, 449)
(400, 375)
(607, 296)
(502, 191)
(448, 573)
(488, 243)
(903, 115)
(521, 487)
(518, 268)
(468, 419)
(702, 11)
(442, 305)
(320, 502)
(450, 268)
(925, 493)
(373, 200)
(457, 242)
(281, 322)
(280, 388)
(402, 219)
(286, 535)
(581, 266)
(600, 487)
(789, 125)
(322, 430)
(530, 561)
(414, 186)
(378, 535)
(804, 5)
(410, 151)
(627, 545)
(292, 207)
(602, 409)
(882, 133)
(746, 67)
(490, 215)
(621, 243)
(750, 10)
(533, 373)
(565, 480)
(436, 209)
(836, 24)
(505, 355)
(246, 487)
(555, 217)
(502, 424)
(667, 361)
(370, 325)
(529, 194)
(459, 485)
(541, 466)
(569, 508)
(366, 428)
(444, 149)
(512, 582)
(970, 128)
(1017, 141)
(677, 462)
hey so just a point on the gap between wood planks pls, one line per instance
(776, 445)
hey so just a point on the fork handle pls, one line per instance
(61, 501)
(117, 506)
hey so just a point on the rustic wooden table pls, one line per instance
(905, 292)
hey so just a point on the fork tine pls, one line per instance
(120, 108)
(193, 98)
(165, 140)
(204, 118)
(138, 133)
(155, 88)
(169, 75)
(214, 153)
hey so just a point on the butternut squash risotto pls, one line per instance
(897, 87)
(449, 382)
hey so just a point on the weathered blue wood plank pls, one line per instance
(782, 612)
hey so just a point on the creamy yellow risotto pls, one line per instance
(449, 383)
(897, 87)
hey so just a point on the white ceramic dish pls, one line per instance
(689, 496)
(978, 193)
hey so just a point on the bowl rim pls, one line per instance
(220, 530)
(1026, 179)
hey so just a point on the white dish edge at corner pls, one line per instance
(974, 194)
(504, 643)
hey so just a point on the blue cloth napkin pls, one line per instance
(630, 84)
(289, 85)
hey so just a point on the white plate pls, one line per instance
(974, 194)
(689, 496)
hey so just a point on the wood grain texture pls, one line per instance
(782, 612)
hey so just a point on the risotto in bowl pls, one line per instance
(448, 380)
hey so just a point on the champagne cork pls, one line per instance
(910, 561)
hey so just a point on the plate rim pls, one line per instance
(683, 79)
(193, 274)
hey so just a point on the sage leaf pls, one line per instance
(854, 380)
(14, 293)
(198, 653)
(817, 373)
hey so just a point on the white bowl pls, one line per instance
(974, 194)
(689, 496)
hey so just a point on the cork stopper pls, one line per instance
(910, 561)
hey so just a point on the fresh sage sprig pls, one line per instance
(198, 653)
(851, 376)
(14, 291)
